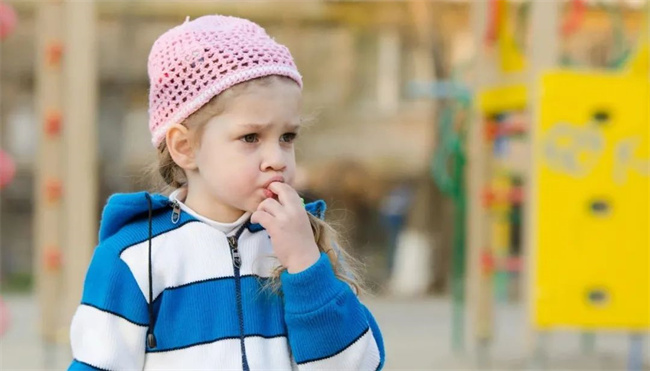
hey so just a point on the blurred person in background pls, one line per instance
(394, 208)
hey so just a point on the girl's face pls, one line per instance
(246, 147)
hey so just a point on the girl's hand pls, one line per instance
(286, 221)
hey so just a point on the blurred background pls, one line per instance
(487, 160)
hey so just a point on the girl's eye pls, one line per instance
(288, 137)
(249, 138)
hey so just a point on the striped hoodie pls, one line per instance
(165, 290)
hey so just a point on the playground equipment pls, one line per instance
(448, 169)
(65, 177)
(592, 167)
(585, 233)
(505, 125)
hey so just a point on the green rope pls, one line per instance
(622, 50)
(448, 168)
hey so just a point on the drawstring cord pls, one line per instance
(151, 338)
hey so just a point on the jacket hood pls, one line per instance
(122, 208)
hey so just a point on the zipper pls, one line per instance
(236, 262)
(176, 211)
(236, 257)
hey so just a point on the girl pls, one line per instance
(181, 282)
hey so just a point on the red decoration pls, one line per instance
(53, 190)
(53, 123)
(488, 197)
(491, 129)
(517, 195)
(514, 195)
(512, 264)
(495, 18)
(575, 18)
(7, 169)
(487, 262)
(5, 317)
(8, 20)
(53, 54)
(52, 258)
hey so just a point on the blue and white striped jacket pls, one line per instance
(167, 291)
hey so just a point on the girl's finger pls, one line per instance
(262, 217)
(271, 206)
(286, 194)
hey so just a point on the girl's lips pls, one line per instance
(274, 179)
(268, 194)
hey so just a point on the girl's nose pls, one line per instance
(273, 159)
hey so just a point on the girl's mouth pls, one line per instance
(269, 194)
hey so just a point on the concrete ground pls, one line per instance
(417, 336)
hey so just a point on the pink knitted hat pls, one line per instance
(192, 63)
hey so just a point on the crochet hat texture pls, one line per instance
(191, 63)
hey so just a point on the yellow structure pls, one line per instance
(512, 58)
(503, 98)
(591, 168)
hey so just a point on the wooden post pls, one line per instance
(80, 190)
(543, 54)
(479, 289)
(48, 211)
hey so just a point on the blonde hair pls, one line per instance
(345, 267)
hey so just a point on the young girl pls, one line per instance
(187, 281)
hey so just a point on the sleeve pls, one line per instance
(108, 329)
(327, 326)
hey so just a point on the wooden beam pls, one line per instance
(48, 211)
(360, 13)
(479, 288)
(543, 55)
(80, 191)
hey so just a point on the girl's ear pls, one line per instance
(179, 143)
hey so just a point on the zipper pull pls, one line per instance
(236, 257)
(176, 212)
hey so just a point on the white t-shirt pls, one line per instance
(227, 228)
